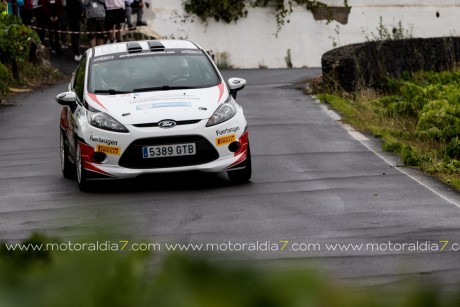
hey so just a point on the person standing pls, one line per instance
(135, 7)
(42, 21)
(95, 20)
(53, 10)
(114, 18)
(75, 15)
(27, 12)
(63, 24)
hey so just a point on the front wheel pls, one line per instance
(67, 167)
(82, 180)
(242, 175)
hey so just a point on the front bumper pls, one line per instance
(124, 150)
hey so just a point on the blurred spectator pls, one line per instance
(52, 10)
(135, 7)
(95, 20)
(63, 24)
(27, 12)
(42, 21)
(4, 7)
(114, 18)
(75, 15)
(18, 5)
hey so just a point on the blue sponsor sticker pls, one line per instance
(163, 105)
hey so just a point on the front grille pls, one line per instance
(132, 157)
(178, 123)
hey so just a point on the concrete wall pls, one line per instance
(251, 42)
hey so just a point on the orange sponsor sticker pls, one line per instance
(110, 150)
(226, 139)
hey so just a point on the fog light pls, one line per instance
(233, 147)
(99, 157)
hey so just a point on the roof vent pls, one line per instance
(156, 46)
(134, 47)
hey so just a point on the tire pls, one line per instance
(67, 168)
(242, 175)
(82, 179)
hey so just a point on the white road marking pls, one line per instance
(365, 142)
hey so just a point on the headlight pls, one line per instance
(223, 113)
(104, 121)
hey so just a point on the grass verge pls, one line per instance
(417, 117)
(31, 77)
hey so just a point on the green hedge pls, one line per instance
(4, 79)
(14, 48)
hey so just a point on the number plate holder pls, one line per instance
(166, 151)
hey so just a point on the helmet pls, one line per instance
(178, 68)
(112, 76)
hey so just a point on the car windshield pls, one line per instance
(151, 71)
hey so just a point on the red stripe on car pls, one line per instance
(86, 158)
(244, 141)
(243, 150)
(96, 100)
(221, 91)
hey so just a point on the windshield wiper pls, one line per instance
(162, 88)
(111, 92)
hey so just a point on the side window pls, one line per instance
(79, 82)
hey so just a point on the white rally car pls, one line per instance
(154, 106)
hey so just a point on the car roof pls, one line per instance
(143, 46)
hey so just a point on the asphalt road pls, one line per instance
(312, 183)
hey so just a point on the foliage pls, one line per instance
(37, 75)
(232, 10)
(14, 56)
(226, 10)
(393, 32)
(4, 79)
(127, 278)
(419, 119)
(14, 39)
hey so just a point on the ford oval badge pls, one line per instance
(167, 124)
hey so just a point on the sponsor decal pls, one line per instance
(104, 58)
(228, 130)
(103, 141)
(225, 140)
(78, 114)
(162, 99)
(141, 54)
(110, 150)
(164, 105)
(191, 52)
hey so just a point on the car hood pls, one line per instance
(152, 107)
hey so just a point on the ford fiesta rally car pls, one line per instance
(150, 107)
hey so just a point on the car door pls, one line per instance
(77, 86)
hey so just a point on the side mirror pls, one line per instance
(67, 99)
(235, 85)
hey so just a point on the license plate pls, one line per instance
(163, 151)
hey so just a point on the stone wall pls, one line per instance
(369, 64)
